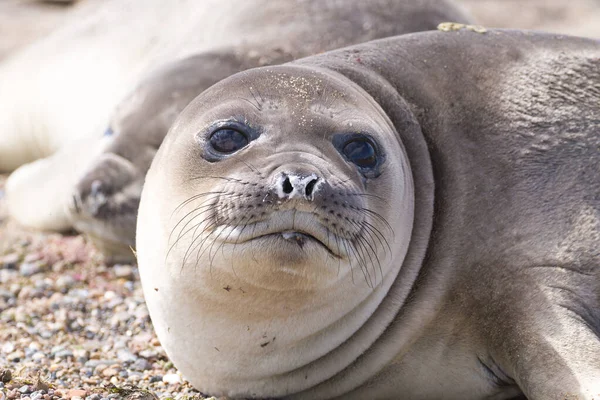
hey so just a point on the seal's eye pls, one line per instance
(361, 152)
(228, 140)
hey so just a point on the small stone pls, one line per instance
(109, 372)
(100, 369)
(29, 258)
(141, 364)
(123, 271)
(5, 375)
(126, 356)
(38, 356)
(156, 378)
(10, 261)
(171, 379)
(94, 363)
(64, 282)
(15, 356)
(63, 354)
(24, 389)
(8, 347)
(148, 354)
(82, 355)
(94, 396)
(31, 268)
(142, 395)
(36, 395)
(73, 394)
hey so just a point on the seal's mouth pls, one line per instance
(299, 228)
(298, 238)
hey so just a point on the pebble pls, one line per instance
(30, 268)
(95, 363)
(36, 395)
(10, 261)
(8, 347)
(76, 394)
(125, 355)
(25, 389)
(15, 356)
(141, 364)
(123, 271)
(64, 282)
(63, 354)
(109, 372)
(171, 379)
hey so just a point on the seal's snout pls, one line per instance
(291, 186)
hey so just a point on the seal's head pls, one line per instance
(274, 219)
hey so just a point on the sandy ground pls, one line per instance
(71, 327)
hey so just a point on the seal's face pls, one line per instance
(279, 205)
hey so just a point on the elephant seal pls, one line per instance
(100, 197)
(412, 218)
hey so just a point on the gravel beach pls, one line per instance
(74, 328)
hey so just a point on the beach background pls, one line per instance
(72, 327)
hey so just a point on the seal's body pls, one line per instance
(412, 218)
(101, 198)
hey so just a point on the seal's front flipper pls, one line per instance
(567, 368)
(38, 193)
(552, 348)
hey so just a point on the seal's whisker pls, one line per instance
(370, 243)
(365, 195)
(376, 215)
(380, 236)
(253, 169)
(199, 208)
(224, 241)
(363, 268)
(197, 196)
(191, 244)
(228, 179)
(360, 252)
(197, 240)
(344, 242)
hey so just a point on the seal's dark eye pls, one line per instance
(228, 140)
(361, 152)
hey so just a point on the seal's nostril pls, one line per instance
(310, 186)
(287, 186)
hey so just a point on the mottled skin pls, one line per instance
(105, 200)
(491, 286)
